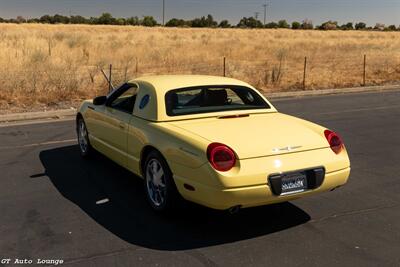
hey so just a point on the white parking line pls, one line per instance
(102, 201)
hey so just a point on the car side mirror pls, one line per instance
(100, 100)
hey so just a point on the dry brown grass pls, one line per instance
(48, 64)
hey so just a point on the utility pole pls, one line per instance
(256, 14)
(265, 12)
(163, 12)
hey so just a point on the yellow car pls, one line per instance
(214, 141)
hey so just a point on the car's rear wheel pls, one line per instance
(160, 188)
(83, 138)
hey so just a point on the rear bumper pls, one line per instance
(251, 196)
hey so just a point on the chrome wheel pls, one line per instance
(83, 137)
(155, 182)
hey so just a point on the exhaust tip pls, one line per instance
(235, 209)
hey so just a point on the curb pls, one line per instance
(54, 114)
(57, 114)
(332, 91)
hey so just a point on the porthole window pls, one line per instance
(145, 100)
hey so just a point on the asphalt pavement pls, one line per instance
(50, 209)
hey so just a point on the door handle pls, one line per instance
(122, 125)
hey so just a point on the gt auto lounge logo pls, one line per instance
(30, 261)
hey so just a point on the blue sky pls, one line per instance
(383, 11)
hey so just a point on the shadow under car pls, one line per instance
(128, 216)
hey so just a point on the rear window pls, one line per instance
(207, 99)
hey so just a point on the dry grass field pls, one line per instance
(45, 65)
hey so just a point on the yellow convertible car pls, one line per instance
(210, 140)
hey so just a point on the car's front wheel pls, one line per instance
(83, 138)
(160, 188)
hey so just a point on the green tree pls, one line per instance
(250, 22)
(133, 21)
(148, 21)
(283, 24)
(59, 19)
(204, 22)
(45, 19)
(121, 21)
(224, 24)
(176, 23)
(272, 25)
(348, 26)
(361, 26)
(106, 19)
(78, 20)
(392, 28)
(33, 20)
(296, 25)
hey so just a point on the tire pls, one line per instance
(83, 139)
(160, 188)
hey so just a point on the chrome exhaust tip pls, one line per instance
(234, 209)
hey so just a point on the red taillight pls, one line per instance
(221, 157)
(334, 140)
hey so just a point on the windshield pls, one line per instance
(206, 99)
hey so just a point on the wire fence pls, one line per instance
(272, 74)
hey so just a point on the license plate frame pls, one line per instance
(314, 178)
(294, 183)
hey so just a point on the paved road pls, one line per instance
(48, 204)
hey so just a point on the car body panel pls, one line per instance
(240, 133)
(266, 142)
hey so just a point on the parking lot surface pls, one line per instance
(49, 205)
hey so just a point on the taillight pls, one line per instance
(334, 140)
(221, 157)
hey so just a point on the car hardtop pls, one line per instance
(153, 89)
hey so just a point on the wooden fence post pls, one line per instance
(137, 66)
(224, 66)
(305, 73)
(365, 71)
(110, 79)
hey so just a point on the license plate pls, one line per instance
(294, 183)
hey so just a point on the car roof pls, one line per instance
(156, 87)
(164, 83)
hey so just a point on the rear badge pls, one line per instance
(288, 149)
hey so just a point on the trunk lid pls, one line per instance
(258, 135)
